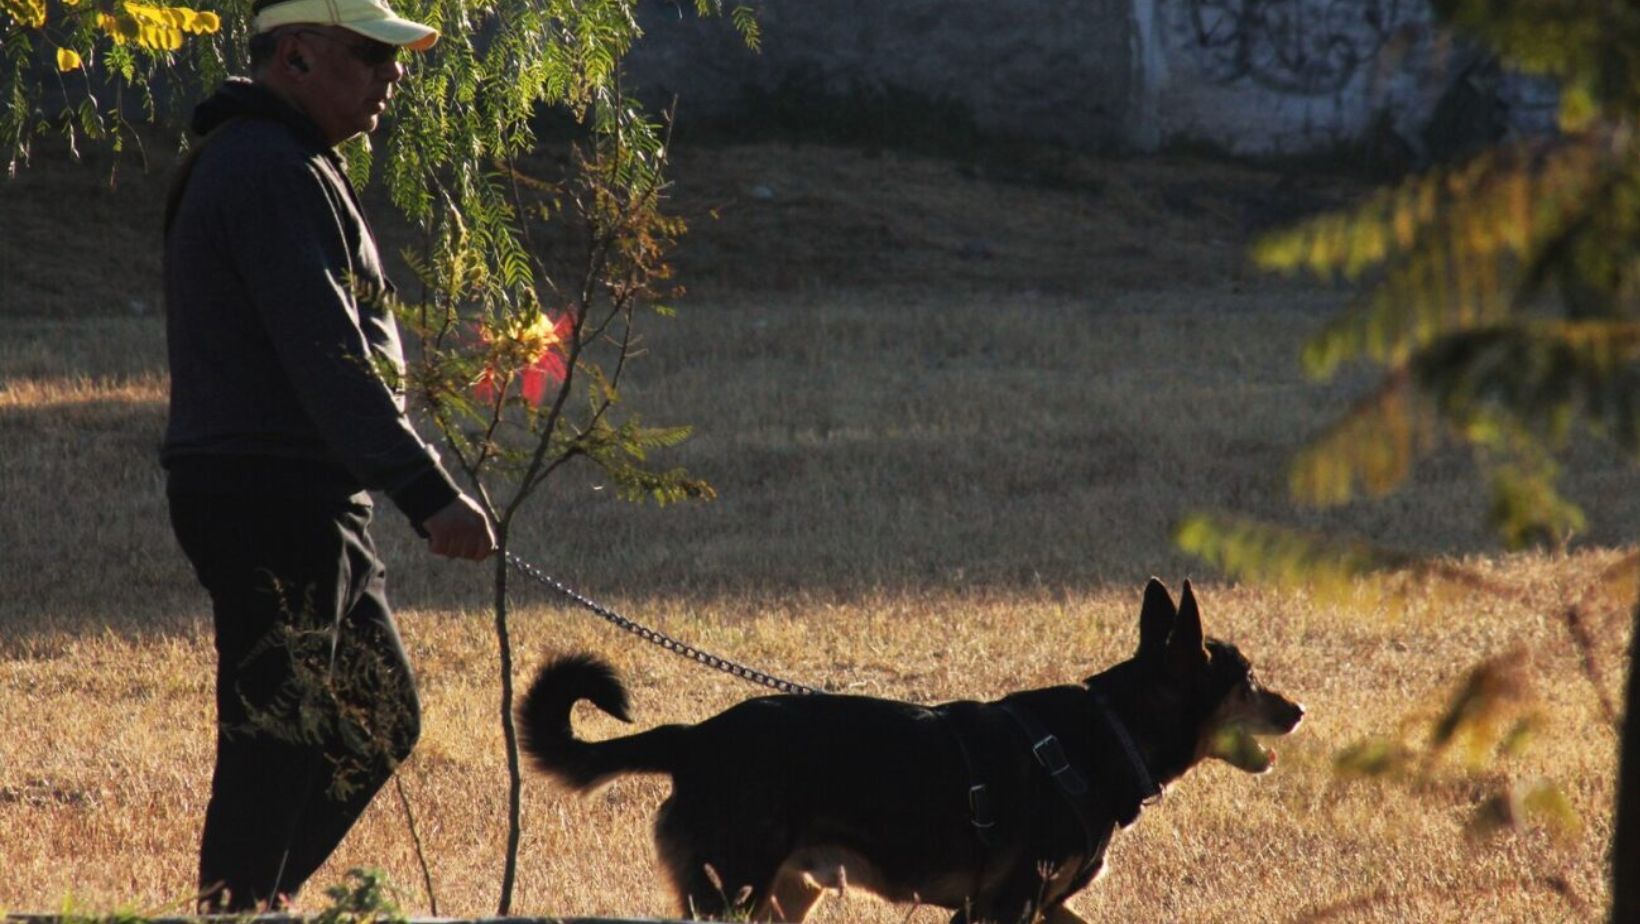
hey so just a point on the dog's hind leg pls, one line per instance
(1059, 915)
(704, 892)
(730, 892)
(697, 890)
(719, 865)
(1009, 911)
(792, 895)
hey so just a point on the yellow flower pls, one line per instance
(544, 333)
(29, 13)
(68, 59)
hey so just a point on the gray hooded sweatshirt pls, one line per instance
(271, 328)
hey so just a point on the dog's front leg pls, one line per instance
(1059, 914)
(969, 914)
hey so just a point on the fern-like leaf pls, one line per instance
(1372, 447)
(1283, 556)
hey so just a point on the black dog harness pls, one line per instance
(1050, 754)
(1047, 750)
(981, 808)
(1150, 792)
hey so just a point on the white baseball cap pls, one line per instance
(372, 19)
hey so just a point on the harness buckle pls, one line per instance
(981, 813)
(1051, 755)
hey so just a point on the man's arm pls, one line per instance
(290, 247)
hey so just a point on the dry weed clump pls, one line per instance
(936, 481)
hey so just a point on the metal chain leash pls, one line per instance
(660, 638)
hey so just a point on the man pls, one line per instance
(280, 421)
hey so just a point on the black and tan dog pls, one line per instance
(999, 810)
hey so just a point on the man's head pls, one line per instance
(336, 60)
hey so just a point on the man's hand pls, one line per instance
(460, 530)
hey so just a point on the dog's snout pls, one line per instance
(1297, 713)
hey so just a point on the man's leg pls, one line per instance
(380, 713)
(281, 574)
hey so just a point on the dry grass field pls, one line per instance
(952, 411)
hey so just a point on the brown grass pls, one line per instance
(943, 475)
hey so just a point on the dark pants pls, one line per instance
(315, 700)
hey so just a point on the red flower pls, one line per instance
(548, 368)
(538, 348)
(484, 388)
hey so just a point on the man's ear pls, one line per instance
(289, 58)
(1156, 618)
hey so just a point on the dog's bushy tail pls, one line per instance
(544, 726)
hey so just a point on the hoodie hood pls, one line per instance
(242, 98)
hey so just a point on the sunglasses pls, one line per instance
(368, 52)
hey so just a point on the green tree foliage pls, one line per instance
(1500, 303)
(365, 896)
(524, 344)
(520, 370)
(67, 66)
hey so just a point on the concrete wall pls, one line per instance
(1291, 76)
(1248, 76)
(1058, 69)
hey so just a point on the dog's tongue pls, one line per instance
(1261, 759)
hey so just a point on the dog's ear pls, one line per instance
(1156, 619)
(1187, 645)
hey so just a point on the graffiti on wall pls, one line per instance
(1302, 47)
